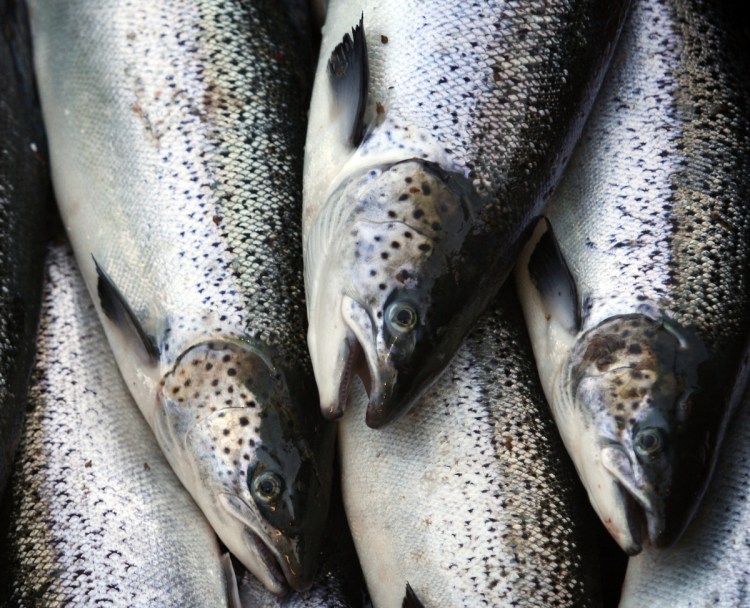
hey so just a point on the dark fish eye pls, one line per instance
(648, 442)
(268, 486)
(401, 317)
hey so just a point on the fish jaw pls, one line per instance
(260, 473)
(386, 277)
(639, 386)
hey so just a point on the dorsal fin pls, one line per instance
(410, 599)
(121, 314)
(349, 74)
(550, 275)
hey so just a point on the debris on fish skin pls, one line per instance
(636, 288)
(98, 515)
(469, 498)
(435, 134)
(710, 565)
(176, 138)
(25, 193)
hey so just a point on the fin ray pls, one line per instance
(349, 74)
(117, 310)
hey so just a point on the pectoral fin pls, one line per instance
(551, 277)
(349, 73)
(410, 599)
(117, 310)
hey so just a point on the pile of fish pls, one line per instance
(255, 249)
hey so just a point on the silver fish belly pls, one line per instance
(24, 193)
(176, 136)
(436, 131)
(469, 498)
(98, 516)
(710, 565)
(636, 295)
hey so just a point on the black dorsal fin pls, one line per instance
(410, 599)
(551, 277)
(119, 312)
(349, 73)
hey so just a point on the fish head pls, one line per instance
(260, 471)
(645, 443)
(386, 304)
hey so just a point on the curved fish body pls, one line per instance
(469, 499)
(98, 516)
(710, 566)
(328, 592)
(635, 291)
(176, 136)
(435, 132)
(24, 193)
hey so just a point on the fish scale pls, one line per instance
(24, 192)
(650, 344)
(469, 497)
(176, 134)
(478, 107)
(97, 514)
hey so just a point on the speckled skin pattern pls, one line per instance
(24, 192)
(710, 566)
(492, 96)
(652, 219)
(326, 593)
(176, 134)
(98, 516)
(469, 497)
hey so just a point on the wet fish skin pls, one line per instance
(98, 515)
(24, 195)
(469, 119)
(644, 364)
(709, 565)
(182, 125)
(469, 498)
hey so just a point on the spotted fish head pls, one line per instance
(387, 300)
(646, 441)
(250, 460)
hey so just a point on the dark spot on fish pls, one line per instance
(209, 366)
(379, 108)
(231, 372)
(244, 421)
(226, 358)
(373, 273)
(175, 390)
(88, 464)
(635, 349)
(384, 39)
(417, 214)
(424, 247)
(391, 214)
(214, 383)
(408, 234)
(226, 450)
(226, 432)
(384, 255)
(146, 467)
(382, 286)
(408, 180)
(403, 197)
(395, 244)
(436, 226)
(426, 189)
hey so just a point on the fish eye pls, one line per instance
(401, 317)
(648, 442)
(268, 486)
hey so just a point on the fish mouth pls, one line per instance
(275, 573)
(642, 510)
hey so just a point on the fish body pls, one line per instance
(435, 132)
(98, 516)
(710, 565)
(327, 592)
(469, 499)
(636, 290)
(24, 194)
(176, 135)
